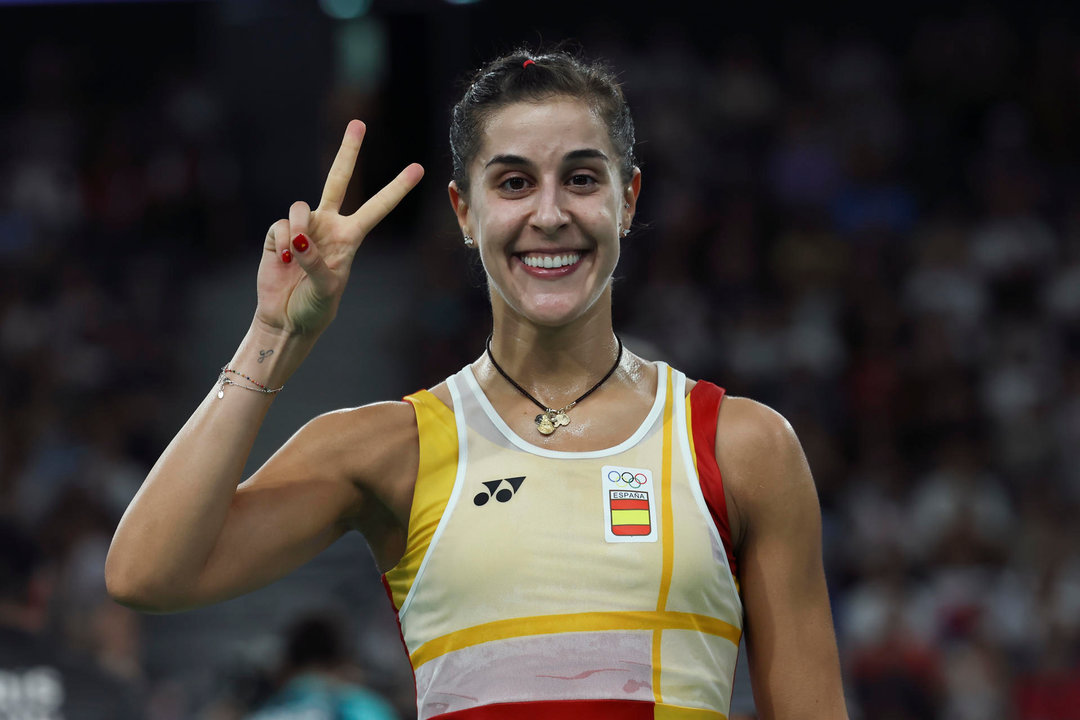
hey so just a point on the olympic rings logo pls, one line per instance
(627, 478)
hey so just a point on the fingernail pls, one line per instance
(286, 256)
(300, 242)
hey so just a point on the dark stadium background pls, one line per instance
(865, 216)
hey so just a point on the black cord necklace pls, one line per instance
(550, 419)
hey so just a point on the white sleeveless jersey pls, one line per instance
(539, 583)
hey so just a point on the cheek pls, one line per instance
(493, 223)
(605, 222)
(487, 258)
(493, 236)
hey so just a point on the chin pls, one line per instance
(553, 312)
(549, 318)
(550, 309)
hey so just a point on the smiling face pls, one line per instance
(546, 206)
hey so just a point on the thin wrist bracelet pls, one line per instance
(224, 380)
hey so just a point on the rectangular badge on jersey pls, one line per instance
(629, 504)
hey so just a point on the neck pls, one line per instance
(555, 364)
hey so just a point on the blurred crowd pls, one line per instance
(878, 234)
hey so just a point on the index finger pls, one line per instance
(381, 203)
(337, 180)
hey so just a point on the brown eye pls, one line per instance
(514, 184)
(582, 181)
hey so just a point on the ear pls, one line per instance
(630, 197)
(461, 207)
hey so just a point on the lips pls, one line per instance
(547, 260)
(550, 264)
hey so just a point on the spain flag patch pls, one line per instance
(629, 504)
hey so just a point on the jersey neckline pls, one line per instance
(662, 373)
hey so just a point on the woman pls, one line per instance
(579, 561)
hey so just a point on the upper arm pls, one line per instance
(794, 664)
(346, 469)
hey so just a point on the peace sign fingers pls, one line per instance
(359, 224)
(307, 257)
(337, 180)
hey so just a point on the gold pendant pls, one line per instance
(544, 424)
(561, 419)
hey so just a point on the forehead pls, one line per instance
(544, 130)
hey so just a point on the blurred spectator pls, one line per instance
(895, 675)
(1050, 691)
(960, 514)
(318, 680)
(40, 677)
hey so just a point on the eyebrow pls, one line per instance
(583, 154)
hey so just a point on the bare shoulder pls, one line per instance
(380, 423)
(752, 430)
(760, 459)
(373, 447)
(442, 392)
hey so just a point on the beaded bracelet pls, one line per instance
(259, 387)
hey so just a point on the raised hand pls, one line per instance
(307, 257)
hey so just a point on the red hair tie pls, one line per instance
(527, 63)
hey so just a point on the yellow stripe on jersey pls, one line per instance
(572, 622)
(434, 483)
(674, 712)
(629, 517)
(666, 532)
(690, 433)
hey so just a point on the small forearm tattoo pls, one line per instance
(263, 354)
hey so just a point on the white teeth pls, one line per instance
(551, 261)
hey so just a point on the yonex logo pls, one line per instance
(502, 495)
(627, 478)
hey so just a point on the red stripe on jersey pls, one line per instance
(629, 504)
(556, 710)
(704, 408)
(389, 594)
(631, 529)
(401, 635)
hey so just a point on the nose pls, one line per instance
(548, 214)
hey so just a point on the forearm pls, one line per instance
(169, 530)
(168, 552)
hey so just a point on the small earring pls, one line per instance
(626, 232)
(626, 205)
(469, 242)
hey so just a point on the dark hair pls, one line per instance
(511, 78)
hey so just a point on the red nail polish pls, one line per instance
(286, 256)
(300, 242)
